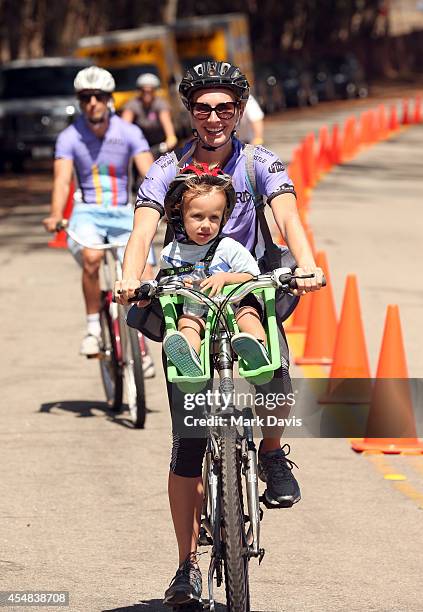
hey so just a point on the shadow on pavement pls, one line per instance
(156, 606)
(85, 408)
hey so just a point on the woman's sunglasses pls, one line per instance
(100, 96)
(225, 110)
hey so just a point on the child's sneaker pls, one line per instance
(182, 355)
(250, 350)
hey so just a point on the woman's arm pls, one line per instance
(284, 208)
(136, 253)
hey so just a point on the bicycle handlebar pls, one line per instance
(104, 246)
(281, 278)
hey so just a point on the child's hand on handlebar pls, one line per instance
(215, 283)
(308, 284)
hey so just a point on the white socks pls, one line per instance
(93, 324)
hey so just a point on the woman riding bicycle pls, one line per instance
(215, 94)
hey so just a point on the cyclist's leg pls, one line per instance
(274, 468)
(185, 486)
(83, 223)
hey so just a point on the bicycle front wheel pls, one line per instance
(134, 379)
(235, 557)
(111, 372)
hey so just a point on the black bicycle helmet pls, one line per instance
(179, 185)
(209, 75)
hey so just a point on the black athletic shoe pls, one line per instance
(185, 588)
(276, 471)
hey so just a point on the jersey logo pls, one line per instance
(277, 166)
(243, 197)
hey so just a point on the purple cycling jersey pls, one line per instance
(271, 181)
(101, 164)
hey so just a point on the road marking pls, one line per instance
(385, 468)
(395, 477)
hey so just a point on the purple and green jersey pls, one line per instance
(271, 180)
(101, 164)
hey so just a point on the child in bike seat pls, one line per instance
(197, 205)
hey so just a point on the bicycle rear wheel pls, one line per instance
(111, 372)
(134, 378)
(235, 551)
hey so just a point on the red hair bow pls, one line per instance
(205, 169)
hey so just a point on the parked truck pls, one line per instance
(215, 37)
(37, 101)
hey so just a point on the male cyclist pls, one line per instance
(151, 113)
(98, 148)
(215, 94)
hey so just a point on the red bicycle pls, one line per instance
(121, 348)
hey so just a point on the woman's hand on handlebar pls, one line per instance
(306, 285)
(125, 289)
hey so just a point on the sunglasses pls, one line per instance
(101, 97)
(225, 110)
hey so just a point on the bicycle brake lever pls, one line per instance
(145, 291)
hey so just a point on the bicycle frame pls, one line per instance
(211, 513)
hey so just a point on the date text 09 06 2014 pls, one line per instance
(34, 598)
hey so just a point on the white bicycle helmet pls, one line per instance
(92, 78)
(148, 80)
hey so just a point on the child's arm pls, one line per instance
(216, 282)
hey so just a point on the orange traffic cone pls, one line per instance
(349, 146)
(393, 119)
(364, 128)
(323, 161)
(350, 361)
(309, 163)
(60, 241)
(391, 408)
(296, 175)
(382, 121)
(405, 113)
(300, 316)
(321, 330)
(417, 116)
(336, 145)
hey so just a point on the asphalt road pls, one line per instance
(83, 501)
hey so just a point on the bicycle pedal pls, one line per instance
(274, 506)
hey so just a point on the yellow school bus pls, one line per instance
(215, 37)
(129, 53)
